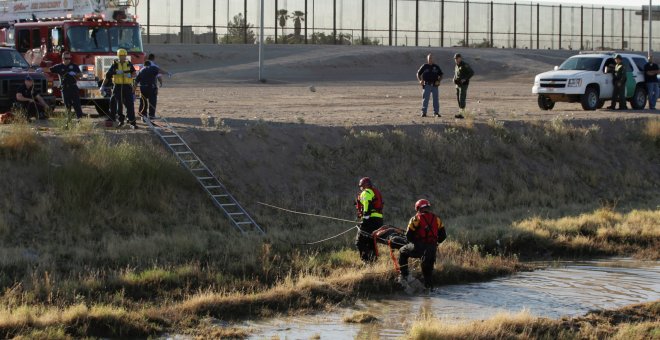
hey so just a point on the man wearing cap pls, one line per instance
(619, 82)
(651, 79)
(429, 76)
(69, 74)
(462, 74)
(29, 98)
(122, 74)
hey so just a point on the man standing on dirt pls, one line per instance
(429, 76)
(425, 232)
(619, 82)
(462, 74)
(146, 79)
(152, 58)
(122, 73)
(69, 74)
(369, 205)
(651, 79)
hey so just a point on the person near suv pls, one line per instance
(619, 81)
(651, 79)
(29, 99)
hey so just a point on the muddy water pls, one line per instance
(571, 288)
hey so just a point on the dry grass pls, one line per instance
(93, 219)
(360, 317)
(633, 322)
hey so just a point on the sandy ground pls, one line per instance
(353, 85)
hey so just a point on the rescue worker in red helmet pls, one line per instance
(425, 232)
(369, 205)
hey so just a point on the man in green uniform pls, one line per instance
(619, 82)
(462, 74)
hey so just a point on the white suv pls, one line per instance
(582, 78)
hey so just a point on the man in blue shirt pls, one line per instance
(147, 80)
(69, 74)
(429, 76)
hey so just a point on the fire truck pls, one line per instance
(91, 30)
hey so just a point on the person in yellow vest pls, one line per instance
(122, 74)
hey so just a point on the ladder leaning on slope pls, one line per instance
(219, 194)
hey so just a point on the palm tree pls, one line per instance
(298, 18)
(283, 16)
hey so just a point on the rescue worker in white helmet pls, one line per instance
(369, 205)
(425, 232)
(122, 74)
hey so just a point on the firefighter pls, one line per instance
(29, 99)
(122, 74)
(146, 79)
(425, 232)
(462, 74)
(369, 205)
(69, 75)
(619, 82)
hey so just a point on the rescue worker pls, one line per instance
(29, 99)
(152, 58)
(122, 74)
(146, 79)
(651, 80)
(619, 82)
(429, 76)
(369, 205)
(425, 232)
(462, 74)
(69, 75)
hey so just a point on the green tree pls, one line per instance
(236, 30)
(298, 18)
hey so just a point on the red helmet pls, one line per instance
(422, 204)
(365, 182)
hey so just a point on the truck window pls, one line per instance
(36, 38)
(609, 61)
(640, 63)
(23, 40)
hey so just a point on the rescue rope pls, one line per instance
(307, 214)
(329, 238)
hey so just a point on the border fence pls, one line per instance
(436, 23)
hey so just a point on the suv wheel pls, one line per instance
(545, 103)
(638, 100)
(590, 99)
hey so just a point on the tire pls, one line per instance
(589, 99)
(545, 103)
(638, 100)
(601, 103)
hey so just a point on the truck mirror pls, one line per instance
(55, 37)
(556, 68)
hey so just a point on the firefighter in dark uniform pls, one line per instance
(462, 74)
(369, 205)
(425, 232)
(122, 74)
(147, 80)
(69, 74)
(619, 82)
(29, 99)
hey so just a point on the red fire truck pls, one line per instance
(92, 30)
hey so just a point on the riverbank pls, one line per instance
(635, 322)
(103, 234)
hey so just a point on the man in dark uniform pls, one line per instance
(425, 232)
(30, 99)
(369, 206)
(462, 74)
(619, 82)
(429, 76)
(122, 74)
(651, 80)
(69, 74)
(147, 79)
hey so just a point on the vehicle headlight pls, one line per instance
(49, 91)
(574, 82)
(88, 72)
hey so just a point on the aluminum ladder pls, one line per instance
(219, 194)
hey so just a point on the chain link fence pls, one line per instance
(436, 23)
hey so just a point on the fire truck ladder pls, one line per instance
(219, 194)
